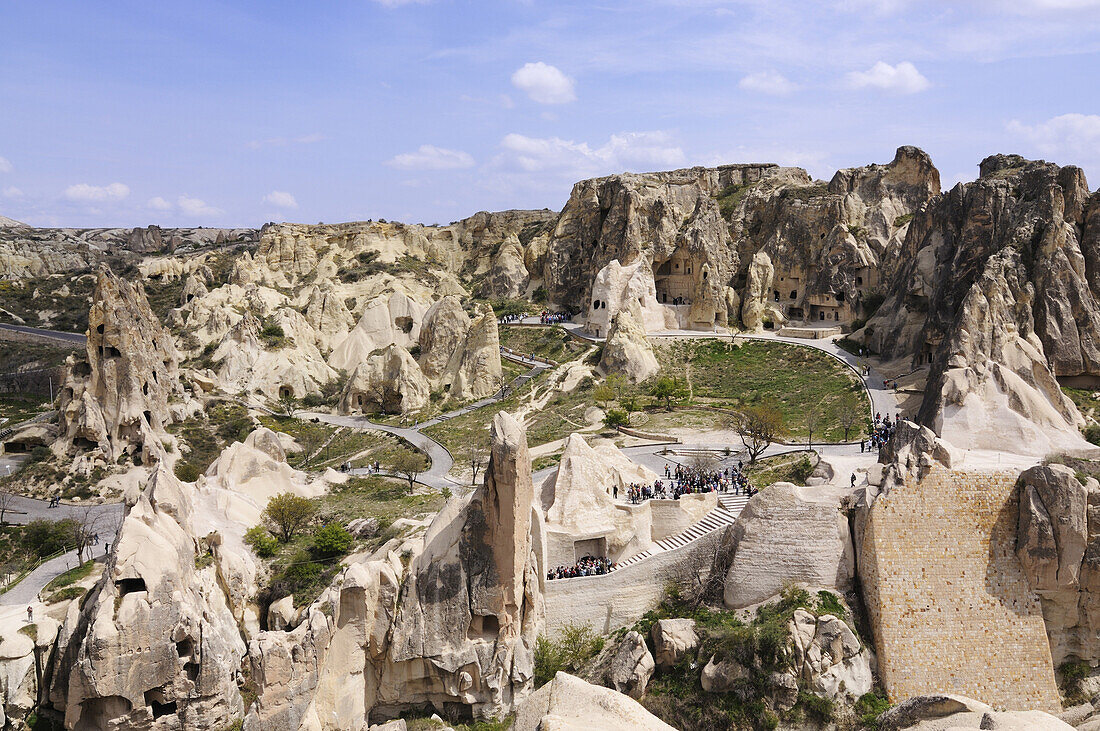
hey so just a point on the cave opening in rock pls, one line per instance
(404, 323)
(110, 351)
(159, 704)
(286, 392)
(130, 586)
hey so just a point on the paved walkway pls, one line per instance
(77, 338)
(27, 590)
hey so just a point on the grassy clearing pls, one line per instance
(796, 379)
(547, 342)
(794, 467)
(18, 407)
(72, 576)
(66, 296)
(1083, 400)
(206, 435)
(298, 568)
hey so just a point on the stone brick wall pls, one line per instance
(950, 606)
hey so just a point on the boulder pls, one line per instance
(476, 369)
(508, 276)
(280, 615)
(723, 676)
(567, 703)
(787, 535)
(828, 657)
(931, 713)
(627, 351)
(631, 666)
(673, 639)
(388, 381)
(363, 527)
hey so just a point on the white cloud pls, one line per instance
(5, 165)
(1067, 134)
(768, 82)
(430, 157)
(84, 193)
(12, 192)
(900, 79)
(280, 199)
(544, 83)
(158, 204)
(196, 207)
(284, 141)
(627, 151)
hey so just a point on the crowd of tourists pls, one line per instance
(553, 318)
(505, 319)
(687, 480)
(587, 566)
(883, 430)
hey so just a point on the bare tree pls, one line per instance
(848, 419)
(700, 576)
(758, 427)
(479, 458)
(703, 462)
(7, 502)
(813, 418)
(87, 524)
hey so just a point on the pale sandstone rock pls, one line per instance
(787, 534)
(568, 703)
(936, 713)
(441, 336)
(629, 287)
(389, 381)
(155, 637)
(116, 396)
(281, 614)
(673, 639)
(828, 657)
(477, 372)
(508, 277)
(756, 305)
(631, 666)
(627, 351)
(723, 676)
(387, 320)
(329, 317)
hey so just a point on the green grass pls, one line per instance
(547, 342)
(730, 198)
(164, 296)
(67, 594)
(72, 576)
(206, 435)
(794, 378)
(794, 468)
(384, 498)
(26, 298)
(18, 407)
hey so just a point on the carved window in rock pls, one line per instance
(794, 294)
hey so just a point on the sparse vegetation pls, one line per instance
(574, 646)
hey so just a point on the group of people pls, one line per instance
(686, 480)
(587, 566)
(505, 319)
(883, 430)
(552, 318)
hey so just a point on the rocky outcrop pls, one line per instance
(827, 657)
(471, 608)
(673, 639)
(476, 370)
(567, 703)
(388, 381)
(329, 316)
(627, 352)
(932, 712)
(441, 335)
(756, 306)
(630, 287)
(632, 666)
(787, 535)
(155, 645)
(117, 397)
(1058, 543)
(508, 277)
(997, 294)
(387, 320)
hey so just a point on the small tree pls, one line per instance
(479, 457)
(332, 540)
(629, 402)
(849, 420)
(758, 426)
(616, 418)
(618, 383)
(703, 462)
(813, 419)
(409, 464)
(287, 513)
(261, 541)
(667, 388)
(603, 393)
(7, 502)
(288, 405)
(87, 525)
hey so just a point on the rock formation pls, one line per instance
(787, 535)
(627, 351)
(673, 639)
(441, 335)
(996, 293)
(756, 306)
(155, 644)
(508, 277)
(392, 320)
(388, 381)
(930, 713)
(477, 372)
(632, 666)
(568, 703)
(629, 287)
(828, 658)
(1058, 543)
(118, 396)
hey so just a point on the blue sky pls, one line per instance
(236, 113)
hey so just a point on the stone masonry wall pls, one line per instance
(619, 599)
(951, 608)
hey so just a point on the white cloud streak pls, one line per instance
(900, 79)
(768, 82)
(544, 83)
(280, 199)
(430, 157)
(85, 193)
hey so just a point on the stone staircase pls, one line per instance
(729, 507)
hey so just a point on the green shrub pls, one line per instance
(829, 603)
(66, 594)
(332, 540)
(816, 708)
(869, 707)
(1092, 433)
(44, 537)
(261, 541)
(802, 469)
(186, 471)
(903, 219)
(616, 417)
(40, 454)
(575, 645)
(287, 513)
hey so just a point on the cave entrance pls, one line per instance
(596, 547)
(674, 278)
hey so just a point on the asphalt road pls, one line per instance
(77, 338)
